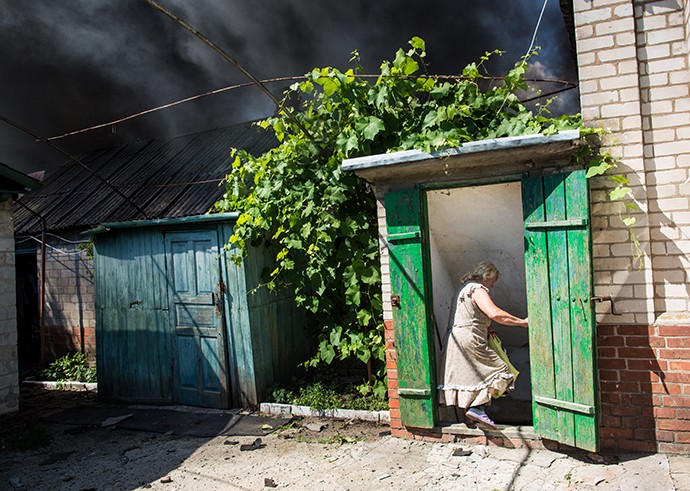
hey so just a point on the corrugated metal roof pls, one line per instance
(170, 178)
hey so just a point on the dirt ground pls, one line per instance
(36, 454)
(39, 451)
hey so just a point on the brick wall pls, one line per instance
(69, 314)
(634, 76)
(9, 369)
(634, 81)
(645, 395)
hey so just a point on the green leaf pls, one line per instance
(370, 127)
(619, 193)
(347, 141)
(598, 169)
(418, 43)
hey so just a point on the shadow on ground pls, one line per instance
(68, 440)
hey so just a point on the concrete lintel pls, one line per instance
(495, 157)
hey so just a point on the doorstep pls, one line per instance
(511, 432)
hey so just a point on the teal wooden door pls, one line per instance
(559, 289)
(405, 214)
(196, 290)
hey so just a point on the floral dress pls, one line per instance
(470, 369)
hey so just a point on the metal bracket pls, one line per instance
(605, 298)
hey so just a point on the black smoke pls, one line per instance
(71, 64)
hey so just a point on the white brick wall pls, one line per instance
(9, 368)
(637, 87)
(385, 258)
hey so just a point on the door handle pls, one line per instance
(605, 298)
(217, 299)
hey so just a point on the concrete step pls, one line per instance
(505, 431)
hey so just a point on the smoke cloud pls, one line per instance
(68, 65)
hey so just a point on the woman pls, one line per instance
(471, 372)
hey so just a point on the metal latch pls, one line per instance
(605, 298)
(395, 301)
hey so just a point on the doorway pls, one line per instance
(483, 223)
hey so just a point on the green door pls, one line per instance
(405, 215)
(559, 289)
(200, 360)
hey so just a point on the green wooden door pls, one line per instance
(405, 214)
(559, 289)
(201, 366)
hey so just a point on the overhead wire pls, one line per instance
(568, 86)
(235, 63)
(529, 50)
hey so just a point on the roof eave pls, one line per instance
(497, 157)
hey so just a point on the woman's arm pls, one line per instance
(483, 300)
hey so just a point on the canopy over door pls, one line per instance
(559, 289)
(196, 289)
(411, 314)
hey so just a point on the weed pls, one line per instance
(317, 396)
(70, 368)
(337, 439)
(568, 476)
(324, 392)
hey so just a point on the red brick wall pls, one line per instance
(62, 340)
(644, 385)
(644, 379)
(397, 428)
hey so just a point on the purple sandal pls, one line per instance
(479, 416)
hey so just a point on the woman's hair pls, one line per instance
(485, 270)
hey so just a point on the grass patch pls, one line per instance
(337, 439)
(69, 368)
(328, 391)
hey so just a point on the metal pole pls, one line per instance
(42, 301)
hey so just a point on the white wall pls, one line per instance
(482, 223)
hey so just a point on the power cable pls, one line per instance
(568, 86)
(531, 45)
(235, 63)
(536, 29)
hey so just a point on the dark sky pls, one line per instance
(76, 63)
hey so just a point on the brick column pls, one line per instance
(9, 365)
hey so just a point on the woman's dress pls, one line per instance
(470, 369)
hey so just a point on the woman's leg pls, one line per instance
(478, 415)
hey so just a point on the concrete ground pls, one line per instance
(306, 454)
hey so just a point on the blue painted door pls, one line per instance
(196, 306)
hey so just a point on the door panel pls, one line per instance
(201, 367)
(411, 320)
(559, 286)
